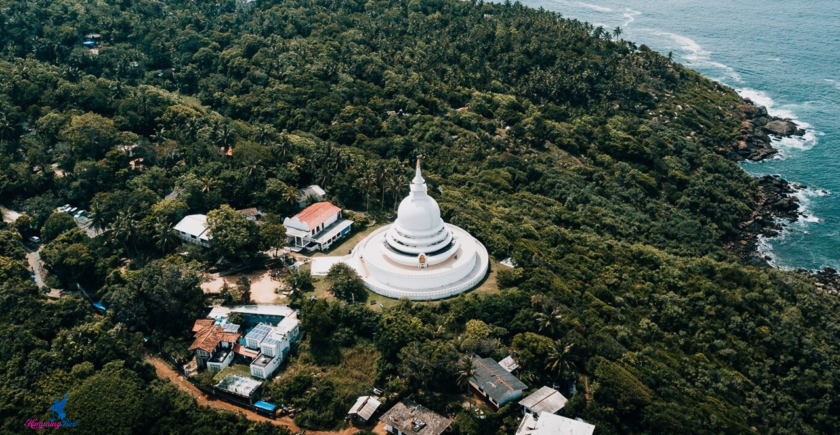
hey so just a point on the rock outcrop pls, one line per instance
(776, 204)
(757, 131)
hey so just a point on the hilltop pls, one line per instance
(605, 170)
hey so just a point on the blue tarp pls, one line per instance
(99, 306)
(265, 406)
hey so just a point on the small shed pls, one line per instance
(546, 399)
(363, 409)
(314, 191)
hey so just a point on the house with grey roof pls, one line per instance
(494, 383)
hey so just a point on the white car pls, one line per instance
(79, 213)
(35, 239)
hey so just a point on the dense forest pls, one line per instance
(594, 163)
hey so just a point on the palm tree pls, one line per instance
(465, 372)
(549, 321)
(560, 359)
(164, 236)
(290, 195)
(207, 184)
(124, 230)
(97, 217)
(367, 183)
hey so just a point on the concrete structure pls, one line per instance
(494, 384)
(546, 399)
(550, 424)
(273, 343)
(213, 345)
(310, 192)
(363, 409)
(252, 315)
(316, 227)
(240, 386)
(193, 229)
(409, 418)
(419, 256)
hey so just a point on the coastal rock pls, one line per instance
(781, 128)
(775, 203)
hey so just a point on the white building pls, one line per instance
(316, 227)
(193, 229)
(274, 344)
(310, 192)
(550, 424)
(419, 256)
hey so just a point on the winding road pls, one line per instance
(164, 371)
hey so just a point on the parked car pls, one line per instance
(79, 213)
(35, 239)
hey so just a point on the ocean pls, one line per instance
(781, 54)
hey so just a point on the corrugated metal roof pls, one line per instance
(364, 407)
(194, 225)
(314, 190)
(497, 382)
(546, 399)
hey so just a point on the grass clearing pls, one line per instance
(231, 370)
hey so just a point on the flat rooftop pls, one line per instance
(414, 419)
(265, 310)
(239, 385)
(262, 361)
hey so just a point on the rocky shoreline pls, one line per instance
(776, 203)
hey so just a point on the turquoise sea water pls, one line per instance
(782, 54)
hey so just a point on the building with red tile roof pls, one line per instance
(213, 343)
(316, 227)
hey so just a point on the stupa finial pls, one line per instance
(418, 184)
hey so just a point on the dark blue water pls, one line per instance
(782, 54)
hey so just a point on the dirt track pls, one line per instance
(164, 371)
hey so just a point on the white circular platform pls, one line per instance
(458, 272)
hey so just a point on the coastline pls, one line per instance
(777, 204)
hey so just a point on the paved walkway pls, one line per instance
(34, 260)
(164, 371)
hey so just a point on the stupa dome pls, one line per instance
(419, 256)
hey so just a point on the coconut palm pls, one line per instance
(124, 230)
(164, 236)
(207, 184)
(465, 372)
(98, 219)
(549, 321)
(560, 359)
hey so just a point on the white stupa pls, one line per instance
(420, 256)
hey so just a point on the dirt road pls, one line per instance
(164, 371)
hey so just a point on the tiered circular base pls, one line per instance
(463, 270)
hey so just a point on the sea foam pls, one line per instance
(698, 55)
(786, 144)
